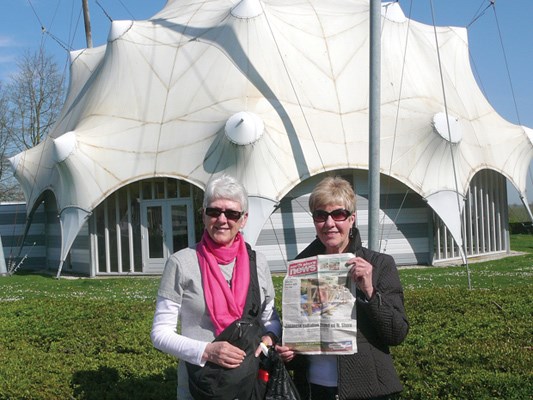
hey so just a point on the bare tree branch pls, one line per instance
(35, 97)
(30, 103)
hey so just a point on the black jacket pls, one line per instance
(381, 322)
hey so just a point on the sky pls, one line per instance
(500, 35)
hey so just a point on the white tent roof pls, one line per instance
(163, 98)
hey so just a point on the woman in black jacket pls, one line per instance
(380, 313)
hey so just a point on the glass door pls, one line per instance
(166, 227)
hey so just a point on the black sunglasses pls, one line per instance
(340, 214)
(230, 214)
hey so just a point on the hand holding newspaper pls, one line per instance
(319, 316)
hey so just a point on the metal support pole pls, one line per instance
(526, 205)
(374, 109)
(87, 20)
(3, 268)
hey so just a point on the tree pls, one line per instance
(8, 188)
(30, 104)
(35, 98)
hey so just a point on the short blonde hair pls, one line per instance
(332, 190)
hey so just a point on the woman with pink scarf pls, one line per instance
(204, 289)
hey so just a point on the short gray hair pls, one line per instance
(226, 187)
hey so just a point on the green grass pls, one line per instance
(508, 272)
(89, 338)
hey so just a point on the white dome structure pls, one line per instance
(274, 93)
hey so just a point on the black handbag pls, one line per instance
(214, 382)
(280, 385)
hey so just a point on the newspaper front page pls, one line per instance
(319, 316)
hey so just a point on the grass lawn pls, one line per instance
(89, 338)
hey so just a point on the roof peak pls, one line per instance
(247, 9)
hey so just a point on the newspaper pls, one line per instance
(319, 316)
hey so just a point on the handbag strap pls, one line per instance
(252, 307)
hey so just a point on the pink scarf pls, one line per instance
(223, 303)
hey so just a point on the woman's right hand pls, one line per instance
(223, 354)
(285, 353)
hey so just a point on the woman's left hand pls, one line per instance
(285, 353)
(361, 273)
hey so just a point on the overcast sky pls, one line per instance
(500, 37)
